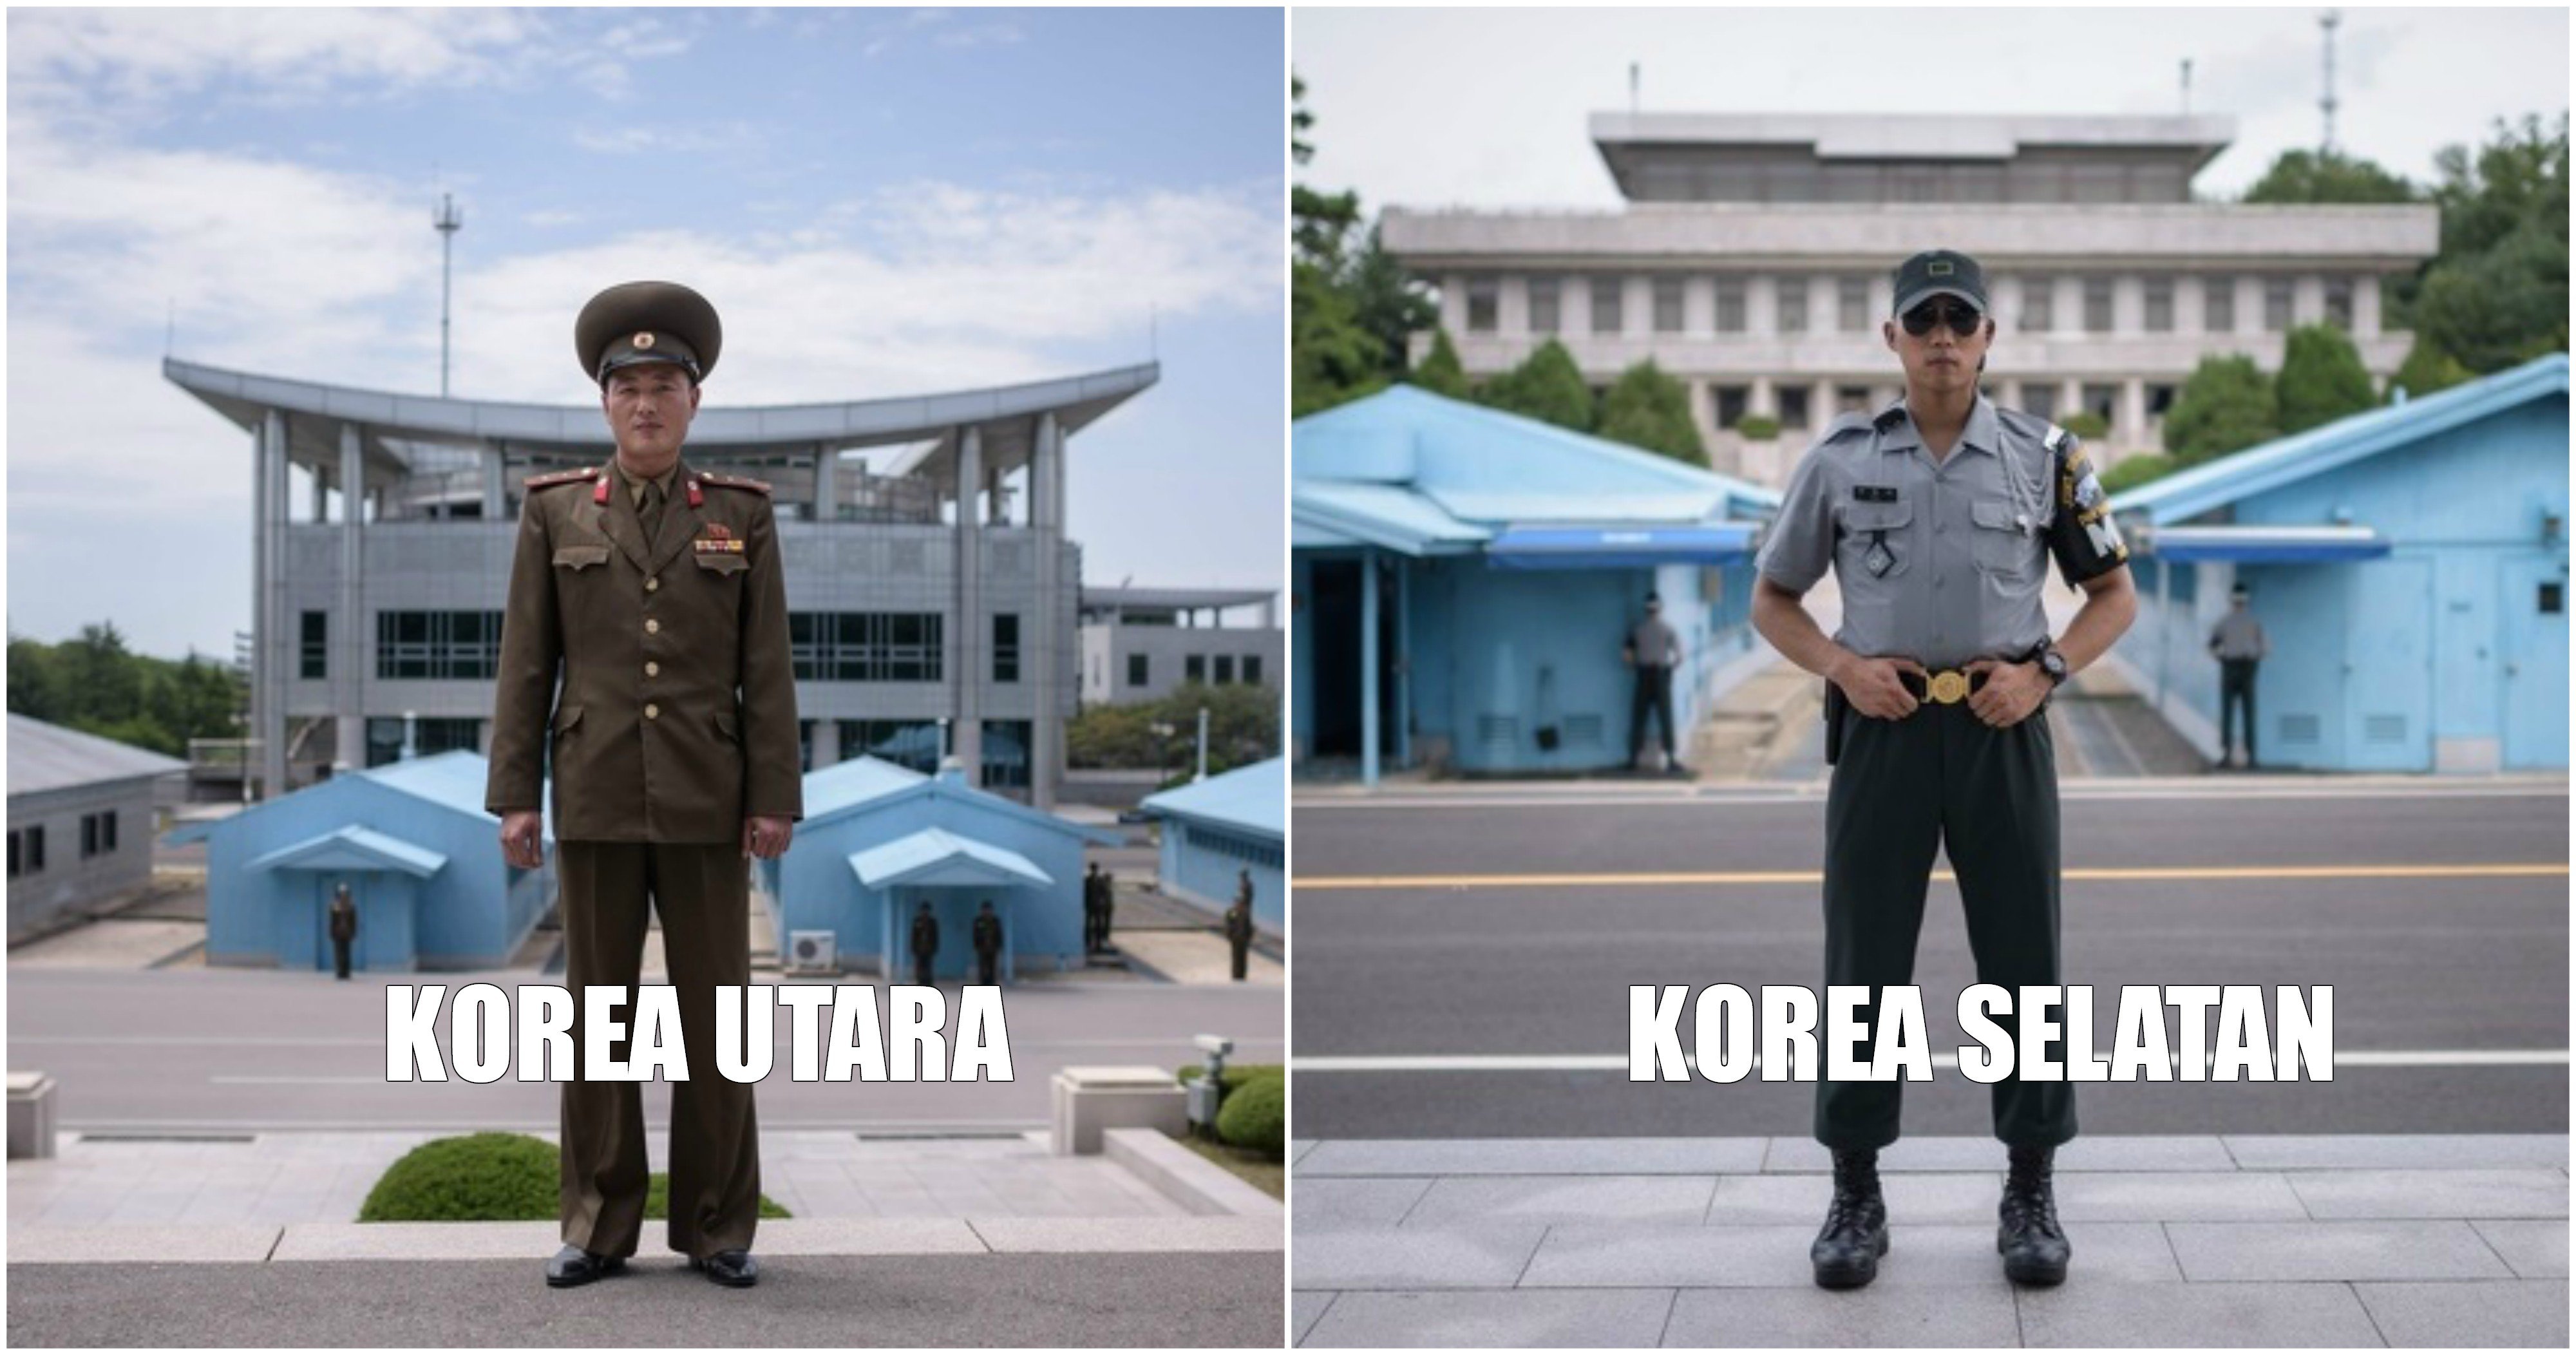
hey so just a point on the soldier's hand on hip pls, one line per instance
(766, 837)
(2011, 693)
(520, 847)
(1874, 688)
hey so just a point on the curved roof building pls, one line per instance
(931, 591)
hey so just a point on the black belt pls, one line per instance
(1954, 684)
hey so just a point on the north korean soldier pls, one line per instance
(1108, 905)
(1938, 516)
(1092, 906)
(652, 591)
(988, 943)
(925, 944)
(344, 928)
(1238, 923)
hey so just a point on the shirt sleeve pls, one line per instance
(1800, 543)
(2081, 533)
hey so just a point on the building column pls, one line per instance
(827, 744)
(2191, 303)
(348, 638)
(967, 735)
(496, 485)
(1762, 305)
(1763, 400)
(269, 646)
(1637, 306)
(1368, 667)
(1453, 304)
(2249, 303)
(1511, 305)
(826, 502)
(2070, 398)
(321, 497)
(2128, 304)
(1699, 305)
(1046, 717)
(2132, 431)
(2307, 300)
(2365, 306)
(1820, 407)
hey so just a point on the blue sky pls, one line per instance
(880, 202)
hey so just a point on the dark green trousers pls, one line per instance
(1902, 790)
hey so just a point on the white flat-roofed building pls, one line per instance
(931, 593)
(1138, 644)
(1753, 262)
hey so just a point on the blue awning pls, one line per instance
(354, 848)
(2262, 545)
(1709, 543)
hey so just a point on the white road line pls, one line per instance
(1815, 795)
(1618, 1063)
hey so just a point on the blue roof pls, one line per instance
(2187, 494)
(1253, 799)
(1426, 474)
(865, 782)
(935, 856)
(453, 780)
(353, 848)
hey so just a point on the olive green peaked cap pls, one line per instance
(637, 322)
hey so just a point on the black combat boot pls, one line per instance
(1846, 1252)
(2033, 1246)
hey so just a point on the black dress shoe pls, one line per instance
(1845, 1254)
(736, 1269)
(573, 1266)
(2035, 1249)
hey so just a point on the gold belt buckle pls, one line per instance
(1949, 686)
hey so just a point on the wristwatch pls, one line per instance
(2054, 664)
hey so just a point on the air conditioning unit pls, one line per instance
(814, 952)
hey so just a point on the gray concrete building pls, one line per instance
(931, 596)
(1752, 261)
(1138, 644)
(81, 819)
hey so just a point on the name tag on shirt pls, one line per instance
(1874, 493)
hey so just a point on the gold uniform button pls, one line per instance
(652, 627)
(652, 712)
(652, 669)
(651, 584)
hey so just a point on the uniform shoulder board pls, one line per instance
(1848, 423)
(562, 477)
(736, 482)
(2057, 440)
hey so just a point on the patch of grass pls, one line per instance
(1267, 1173)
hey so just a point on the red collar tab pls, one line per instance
(599, 493)
(697, 496)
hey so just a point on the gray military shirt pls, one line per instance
(1941, 562)
(2239, 636)
(1655, 644)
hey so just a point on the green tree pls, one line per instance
(2497, 293)
(37, 686)
(2328, 176)
(2227, 405)
(2321, 379)
(1440, 373)
(1352, 311)
(1389, 303)
(1547, 385)
(1319, 222)
(2428, 369)
(1645, 408)
(2134, 470)
(1332, 358)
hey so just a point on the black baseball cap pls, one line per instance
(1935, 272)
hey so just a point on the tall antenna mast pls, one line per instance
(449, 221)
(2328, 22)
(1633, 74)
(2186, 87)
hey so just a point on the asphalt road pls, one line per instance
(1092, 1299)
(264, 1050)
(1421, 933)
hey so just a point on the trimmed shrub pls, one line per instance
(491, 1178)
(2086, 424)
(1236, 1074)
(1255, 1116)
(2133, 471)
(1758, 427)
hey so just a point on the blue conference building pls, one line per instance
(1216, 829)
(411, 840)
(1464, 579)
(2409, 565)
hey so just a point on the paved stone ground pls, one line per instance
(2262, 1240)
(309, 1178)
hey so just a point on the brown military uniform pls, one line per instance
(676, 721)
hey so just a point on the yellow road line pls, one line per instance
(1809, 877)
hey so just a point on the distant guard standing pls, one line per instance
(988, 943)
(2240, 646)
(344, 927)
(925, 944)
(1238, 924)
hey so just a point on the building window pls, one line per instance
(1224, 669)
(1730, 305)
(13, 855)
(2276, 305)
(2339, 303)
(2553, 600)
(905, 743)
(1483, 301)
(2097, 305)
(2159, 399)
(866, 646)
(1135, 670)
(1252, 670)
(1851, 399)
(1793, 407)
(316, 645)
(1194, 668)
(2038, 305)
(2039, 399)
(1542, 306)
(1006, 647)
(1793, 305)
(2160, 305)
(1006, 753)
(2103, 402)
(1731, 401)
(1668, 305)
(429, 737)
(107, 823)
(2218, 306)
(1605, 305)
(437, 645)
(27, 851)
(1851, 304)
(89, 836)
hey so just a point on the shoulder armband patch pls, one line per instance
(736, 482)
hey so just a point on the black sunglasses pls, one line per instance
(1962, 318)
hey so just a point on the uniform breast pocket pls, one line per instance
(2007, 549)
(575, 559)
(721, 565)
(1874, 542)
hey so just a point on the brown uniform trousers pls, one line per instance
(677, 719)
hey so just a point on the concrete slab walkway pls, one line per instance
(2234, 1240)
